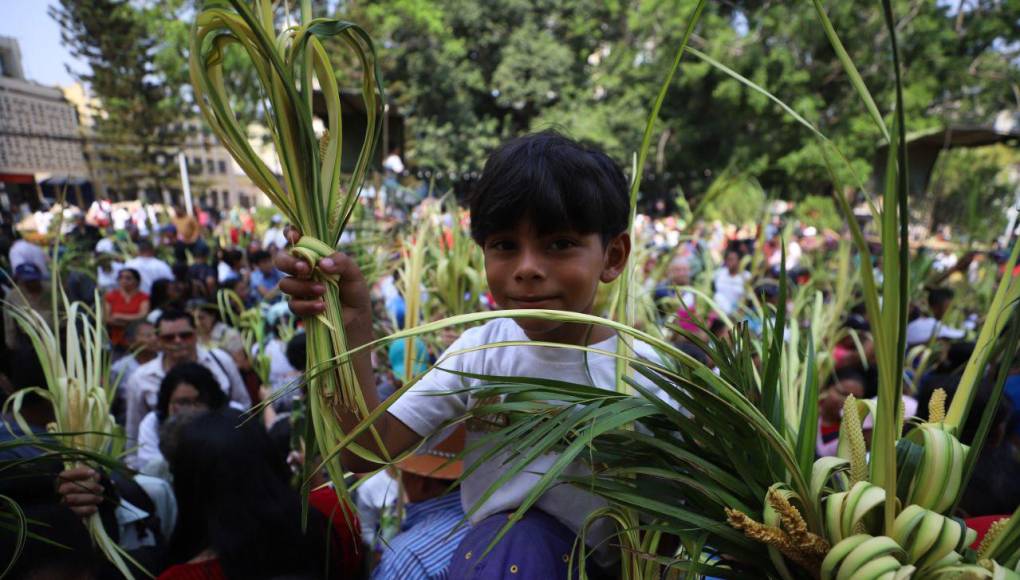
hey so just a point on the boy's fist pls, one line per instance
(80, 490)
(306, 293)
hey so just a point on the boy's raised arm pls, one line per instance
(306, 301)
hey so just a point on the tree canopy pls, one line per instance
(467, 74)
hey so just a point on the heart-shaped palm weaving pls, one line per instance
(314, 195)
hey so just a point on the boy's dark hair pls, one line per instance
(196, 375)
(297, 350)
(131, 332)
(144, 245)
(259, 257)
(939, 296)
(554, 183)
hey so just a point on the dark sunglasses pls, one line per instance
(186, 335)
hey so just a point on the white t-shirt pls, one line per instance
(730, 288)
(151, 269)
(374, 496)
(274, 237)
(148, 440)
(25, 252)
(281, 372)
(394, 164)
(107, 279)
(424, 412)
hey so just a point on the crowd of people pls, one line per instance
(216, 453)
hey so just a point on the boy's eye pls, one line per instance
(562, 244)
(501, 245)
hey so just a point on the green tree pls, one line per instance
(135, 133)
(469, 74)
(971, 190)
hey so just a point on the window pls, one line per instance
(223, 167)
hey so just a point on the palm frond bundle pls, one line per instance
(315, 195)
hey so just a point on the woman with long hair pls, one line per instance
(187, 388)
(238, 516)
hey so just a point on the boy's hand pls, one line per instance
(306, 293)
(80, 490)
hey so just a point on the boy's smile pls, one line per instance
(558, 270)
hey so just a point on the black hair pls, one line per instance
(554, 183)
(297, 351)
(171, 315)
(131, 332)
(180, 271)
(939, 296)
(259, 256)
(145, 246)
(234, 498)
(133, 272)
(159, 294)
(57, 546)
(848, 374)
(196, 375)
(232, 258)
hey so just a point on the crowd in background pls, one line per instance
(216, 449)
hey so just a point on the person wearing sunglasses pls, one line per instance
(178, 344)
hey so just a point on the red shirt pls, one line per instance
(118, 304)
(345, 540)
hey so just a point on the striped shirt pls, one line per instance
(425, 545)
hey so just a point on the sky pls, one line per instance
(42, 54)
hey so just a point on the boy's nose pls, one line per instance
(529, 267)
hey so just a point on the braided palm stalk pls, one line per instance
(314, 195)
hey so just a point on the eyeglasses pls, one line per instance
(178, 404)
(186, 335)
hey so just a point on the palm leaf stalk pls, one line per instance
(251, 323)
(314, 195)
(456, 272)
(76, 371)
(412, 275)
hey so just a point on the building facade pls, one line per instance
(216, 180)
(39, 133)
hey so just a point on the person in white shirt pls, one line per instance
(274, 239)
(393, 164)
(551, 218)
(25, 252)
(923, 329)
(149, 266)
(176, 333)
(730, 283)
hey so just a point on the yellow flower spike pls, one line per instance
(937, 406)
(854, 433)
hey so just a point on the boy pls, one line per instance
(265, 279)
(551, 218)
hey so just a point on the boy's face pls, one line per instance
(555, 271)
